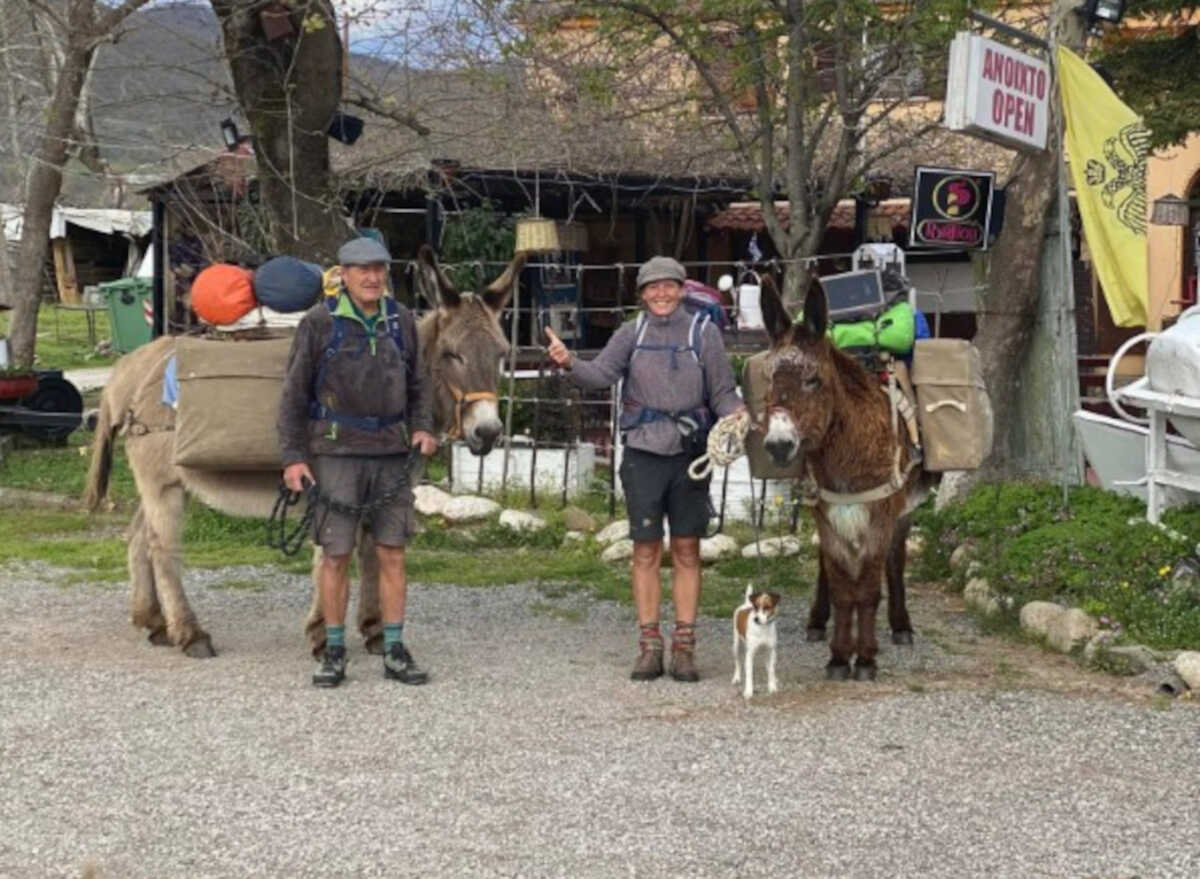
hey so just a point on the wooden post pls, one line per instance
(64, 271)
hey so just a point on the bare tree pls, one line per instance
(78, 28)
(811, 97)
(288, 81)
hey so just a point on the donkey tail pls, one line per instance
(100, 468)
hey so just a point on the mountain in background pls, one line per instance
(159, 93)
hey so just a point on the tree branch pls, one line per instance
(377, 106)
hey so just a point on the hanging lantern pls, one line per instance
(537, 235)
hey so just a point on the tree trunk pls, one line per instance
(1009, 307)
(289, 88)
(45, 182)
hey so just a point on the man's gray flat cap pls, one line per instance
(362, 252)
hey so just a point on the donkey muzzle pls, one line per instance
(781, 449)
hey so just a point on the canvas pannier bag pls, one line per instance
(953, 409)
(229, 395)
(754, 390)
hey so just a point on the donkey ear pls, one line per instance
(448, 295)
(495, 295)
(816, 310)
(775, 316)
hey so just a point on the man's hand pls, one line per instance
(294, 476)
(558, 351)
(423, 442)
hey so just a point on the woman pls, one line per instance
(676, 377)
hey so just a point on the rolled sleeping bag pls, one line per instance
(287, 284)
(222, 294)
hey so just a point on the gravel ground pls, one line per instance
(531, 753)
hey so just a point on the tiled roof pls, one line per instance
(746, 216)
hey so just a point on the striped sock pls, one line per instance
(335, 636)
(684, 637)
(393, 633)
(648, 634)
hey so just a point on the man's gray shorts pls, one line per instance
(360, 480)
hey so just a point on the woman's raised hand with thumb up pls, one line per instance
(557, 350)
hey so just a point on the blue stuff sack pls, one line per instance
(287, 284)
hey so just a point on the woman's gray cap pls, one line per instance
(362, 252)
(660, 268)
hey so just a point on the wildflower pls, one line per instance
(1164, 570)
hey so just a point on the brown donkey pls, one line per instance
(823, 405)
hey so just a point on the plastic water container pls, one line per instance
(750, 315)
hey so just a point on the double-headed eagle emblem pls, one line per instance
(1122, 175)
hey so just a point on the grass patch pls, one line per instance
(63, 469)
(241, 584)
(101, 558)
(94, 544)
(482, 555)
(1096, 551)
(62, 338)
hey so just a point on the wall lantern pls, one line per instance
(1170, 210)
(1098, 12)
(229, 133)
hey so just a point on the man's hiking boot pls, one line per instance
(398, 665)
(332, 670)
(649, 665)
(683, 653)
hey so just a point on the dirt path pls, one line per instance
(532, 754)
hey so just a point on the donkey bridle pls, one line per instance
(463, 399)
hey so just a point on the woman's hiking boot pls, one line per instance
(332, 669)
(398, 665)
(683, 653)
(649, 665)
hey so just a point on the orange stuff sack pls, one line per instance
(222, 294)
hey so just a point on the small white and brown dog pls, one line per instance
(754, 628)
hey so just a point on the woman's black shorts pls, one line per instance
(658, 485)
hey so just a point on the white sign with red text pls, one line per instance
(998, 93)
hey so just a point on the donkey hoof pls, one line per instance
(903, 637)
(864, 671)
(200, 648)
(159, 638)
(374, 644)
(837, 671)
(812, 633)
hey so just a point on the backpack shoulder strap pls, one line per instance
(696, 332)
(336, 334)
(395, 326)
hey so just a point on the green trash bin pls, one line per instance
(128, 305)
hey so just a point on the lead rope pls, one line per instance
(288, 541)
(726, 443)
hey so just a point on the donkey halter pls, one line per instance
(461, 401)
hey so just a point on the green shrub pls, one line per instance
(1096, 551)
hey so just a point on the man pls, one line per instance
(355, 403)
(676, 376)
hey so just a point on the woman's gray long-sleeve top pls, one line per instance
(660, 379)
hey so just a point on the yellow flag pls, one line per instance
(1107, 145)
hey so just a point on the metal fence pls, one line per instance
(571, 443)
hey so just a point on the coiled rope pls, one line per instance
(289, 540)
(726, 443)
